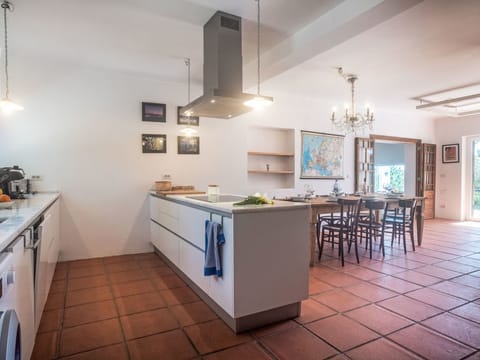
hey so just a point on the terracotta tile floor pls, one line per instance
(420, 305)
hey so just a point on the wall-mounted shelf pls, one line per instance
(284, 172)
(262, 153)
(272, 149)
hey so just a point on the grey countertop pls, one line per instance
(22, 214)
(229, 208)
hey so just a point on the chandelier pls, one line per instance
(352, 121)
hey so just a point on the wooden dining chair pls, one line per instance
(345, 228)
(402, 221)
(371, 225)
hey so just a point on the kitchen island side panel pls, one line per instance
(271, 253)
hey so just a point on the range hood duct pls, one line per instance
(222, 70)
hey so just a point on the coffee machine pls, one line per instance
(13, 182)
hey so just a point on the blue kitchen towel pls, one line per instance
(214, 238)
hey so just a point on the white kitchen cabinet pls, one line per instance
(192, 227)
(23, 266)
(47, 255)
(191, 263)
(221, 288)
(165, 213)
(165, 241)
(53, 248)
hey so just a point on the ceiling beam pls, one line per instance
(448, 101)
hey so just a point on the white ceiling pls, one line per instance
(399, 49)
(430, 47)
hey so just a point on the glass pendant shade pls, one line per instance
(7, 106)
(258, 102)
(188, 131)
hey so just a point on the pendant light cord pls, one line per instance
(258, 47)
(6, 5)
(187, 63)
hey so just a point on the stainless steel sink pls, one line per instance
(217, 198)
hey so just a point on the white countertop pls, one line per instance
(228, 207)
(21, 215)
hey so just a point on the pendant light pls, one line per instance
(188, 131)
(259, 101)
(6, 105)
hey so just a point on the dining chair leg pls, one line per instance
(318, 229)
(356, 249)
(320, 248)
(411, 236)
(370, 241)
(340, 247)
(404, 239)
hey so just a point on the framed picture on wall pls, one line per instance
(154, 112)
(188, 145)
(187, 120)
(321, 156)
(154, 143)
(450, 153)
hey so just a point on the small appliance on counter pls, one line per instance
(13, 182)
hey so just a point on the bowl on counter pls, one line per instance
(163, 185)
(6, 204)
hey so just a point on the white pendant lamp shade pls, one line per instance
(7, 106)
(258, 102)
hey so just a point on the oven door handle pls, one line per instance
(34, 245)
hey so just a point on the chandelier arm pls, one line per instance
(353, 97)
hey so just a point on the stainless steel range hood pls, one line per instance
(222, 70)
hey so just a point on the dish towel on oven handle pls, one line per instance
(214, 238)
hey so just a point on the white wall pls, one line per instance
(450, 203)
(81, 129)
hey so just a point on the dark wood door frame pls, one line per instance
(418, 152)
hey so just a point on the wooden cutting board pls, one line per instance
(180, 192)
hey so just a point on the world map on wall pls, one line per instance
(322, 155)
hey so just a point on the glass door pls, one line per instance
(476, 179)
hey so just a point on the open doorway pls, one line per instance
(395, 167)
(475, 209)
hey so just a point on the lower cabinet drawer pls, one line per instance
(192, 262)
(165, 241)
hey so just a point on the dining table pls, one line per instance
(321, 205)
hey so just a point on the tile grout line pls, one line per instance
(109, 284)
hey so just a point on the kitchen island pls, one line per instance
(264, 259)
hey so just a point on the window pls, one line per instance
(390, 178)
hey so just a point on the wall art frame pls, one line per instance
(188, 145)
(154, 143)
(450, 153)
(322, 155)
(154, 112)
